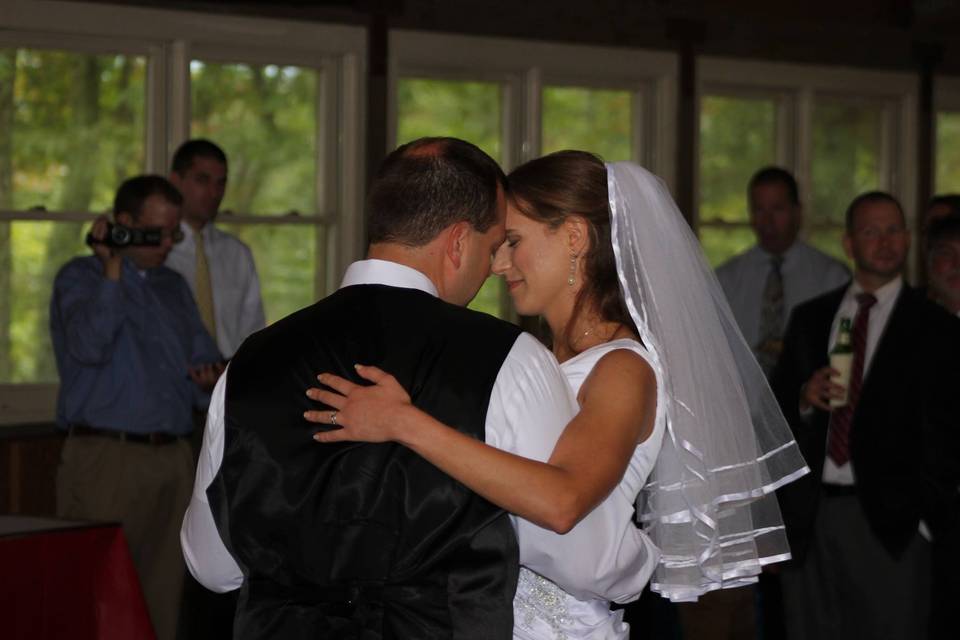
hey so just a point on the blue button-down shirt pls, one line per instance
(123, 348)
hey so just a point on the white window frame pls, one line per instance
(524, 68)
(796, 87)
(170, 39)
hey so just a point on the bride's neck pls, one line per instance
(578, 333)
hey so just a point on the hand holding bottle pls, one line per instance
(841, 361)
(821, 390)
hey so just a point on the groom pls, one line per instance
(356, 540)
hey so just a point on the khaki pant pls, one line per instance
(144, 487)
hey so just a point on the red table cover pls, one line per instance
(77, 583)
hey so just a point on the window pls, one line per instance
(518, 100)
(91, 95)
(462, 109)
(265, 118)
(946, 177)
(846, 161)
(738, 135)
(947, 163)
(597, 120)
(74, 127)
(840, 131)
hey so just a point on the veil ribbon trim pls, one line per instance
(709, 504)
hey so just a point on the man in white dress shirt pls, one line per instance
(767, 281)
(436, 254)
(218, 266)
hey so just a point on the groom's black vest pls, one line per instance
(353, 540)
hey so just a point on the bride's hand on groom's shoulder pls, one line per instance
(364, 413)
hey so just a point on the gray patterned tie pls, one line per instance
(771, 317)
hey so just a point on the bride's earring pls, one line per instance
(573, 269)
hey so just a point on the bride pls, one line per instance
(675, 415)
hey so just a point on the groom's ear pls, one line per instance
(456, 244)
(577, 230)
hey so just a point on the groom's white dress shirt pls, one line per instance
(530, 404)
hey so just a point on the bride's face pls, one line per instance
(534, 260)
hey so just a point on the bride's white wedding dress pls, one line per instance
(542, 610)
(720, 444)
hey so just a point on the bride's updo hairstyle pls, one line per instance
(565, 183)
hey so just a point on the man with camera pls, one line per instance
(134, 358)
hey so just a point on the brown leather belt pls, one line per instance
(156, 438)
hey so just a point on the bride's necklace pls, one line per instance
(591, 331)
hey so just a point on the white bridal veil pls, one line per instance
(709, 504)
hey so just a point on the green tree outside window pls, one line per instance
(467, 110)
(264, 117)
(72, 128)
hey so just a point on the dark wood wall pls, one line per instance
(28, 466)
(870, 33)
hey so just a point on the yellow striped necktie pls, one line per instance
(204, 292)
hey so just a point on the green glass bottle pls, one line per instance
(841, 359)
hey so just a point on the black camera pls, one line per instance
(119, 236)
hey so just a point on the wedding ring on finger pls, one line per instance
(333, 418)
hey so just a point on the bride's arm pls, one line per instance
(618, 405)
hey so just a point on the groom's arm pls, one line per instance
(604, 555)
(206, 556)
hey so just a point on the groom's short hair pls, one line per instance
(428, 184)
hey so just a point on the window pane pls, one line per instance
(588, 119)
(38, 250)
(737, 137)
(265, 118)
(948, 152)
(71, 129)
(846, 157)
(830, 241)
(490, 297)
(285, 256)
(467, 110)
(720, 243)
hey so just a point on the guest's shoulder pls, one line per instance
(78, 269)
(227, 241)
(744, 260)
(170, 276)
(741, 260)
(824, 304)
(934, 315)
(815, 258)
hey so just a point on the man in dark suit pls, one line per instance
(884, 466)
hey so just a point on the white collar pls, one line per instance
(762, 255)
(392, 274)
(884, 295)
(189, 232)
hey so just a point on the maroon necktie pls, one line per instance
(838, 446)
